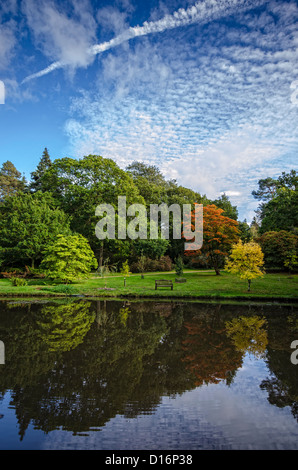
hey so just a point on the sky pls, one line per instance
(207, 91)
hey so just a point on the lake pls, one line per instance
(152, 375)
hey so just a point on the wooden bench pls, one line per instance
(163, 283)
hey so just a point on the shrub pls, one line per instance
(18, 281)
(151, 265)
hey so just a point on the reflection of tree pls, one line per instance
(63, 327)
(209, 354)
(93, 382)
(123, 362)
(248, 335)
(282, 385)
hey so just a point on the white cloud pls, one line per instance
(72, 47)
(62, 35)
(215, 112)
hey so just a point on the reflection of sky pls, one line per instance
(209, 417)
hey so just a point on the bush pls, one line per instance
(63, 289)
(18, 281)
(151, 265)
(280, 249)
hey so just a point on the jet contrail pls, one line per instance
(198, 13)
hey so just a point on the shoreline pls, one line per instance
(109, 296)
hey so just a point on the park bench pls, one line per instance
(163, 283)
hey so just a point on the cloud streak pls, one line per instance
(200, 12)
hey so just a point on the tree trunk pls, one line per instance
(249, 281)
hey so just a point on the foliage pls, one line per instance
(248, 335)
(68, 258)
(179, 266)
(19, 281)
(11, 180)
(64, 327)
(28, 222)
(246, 260)
(36, 176)
(150, 265)
(279, 209)
(224, 203)
(219, 234)
(125, 268)
(280, 249)
(79, 186)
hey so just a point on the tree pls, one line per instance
(36, 176)
(246, 260)
(68, 258)
(224, 203)
(28, 222)
(79, 186)
(219, 234)
(179, 266)
(278, 209)
(281, 212)
(245, 231)
(11, 180)
(280, 249)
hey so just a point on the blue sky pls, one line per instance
(207, 90)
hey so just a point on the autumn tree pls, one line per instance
(219, 234)
(246, 260)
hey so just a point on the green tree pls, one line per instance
(281, 212)
(278, 209)
(28, 222)
(246, 260)
(64, 327)
(11, 180)
(280, 249)
(36, 176)
(79, 186)
(68, 258)
(224, 203)
(179, 266)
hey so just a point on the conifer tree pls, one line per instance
(36, 176)
(11, 180)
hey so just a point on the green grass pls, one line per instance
(200, 284)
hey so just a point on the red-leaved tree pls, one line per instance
(219, 234)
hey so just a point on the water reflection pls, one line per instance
(76, 365)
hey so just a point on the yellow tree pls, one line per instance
(246, 260)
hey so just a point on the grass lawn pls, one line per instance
(204, 284)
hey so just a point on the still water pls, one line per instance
(148, 375)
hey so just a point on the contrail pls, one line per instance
(198, 13)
